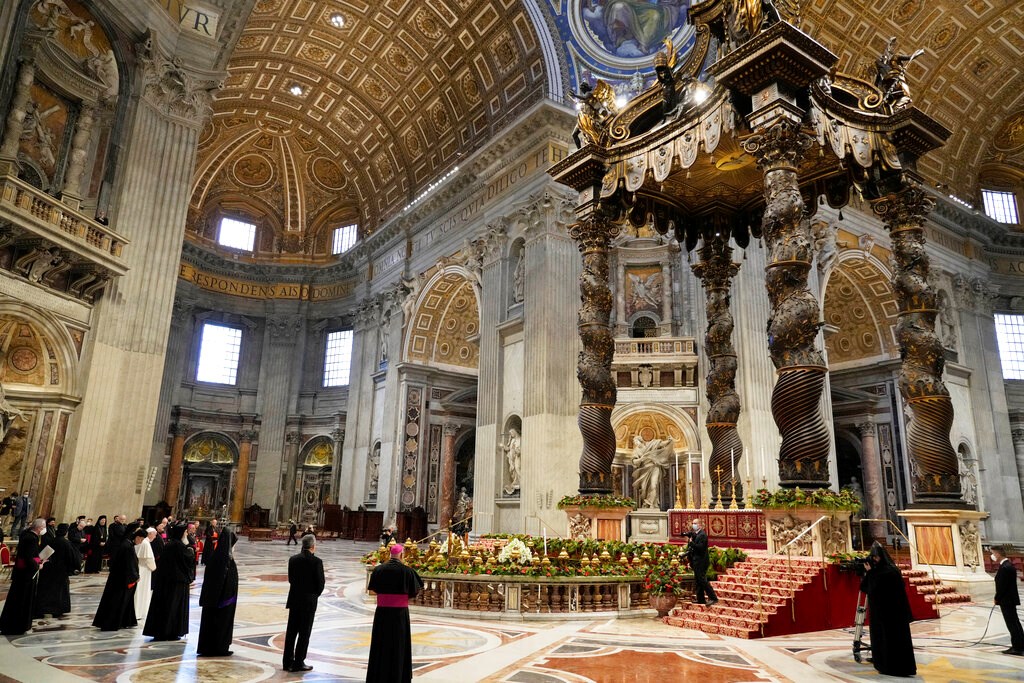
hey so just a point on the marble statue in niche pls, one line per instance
(518, 278)
(968, 479)
(8, 414)
(650, 461)
(512, 448)
(825, 245)
(945, 325)
(373, 472)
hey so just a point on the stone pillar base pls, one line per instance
(948, 543)
(648, 526)
(829, 537)
(603, 524)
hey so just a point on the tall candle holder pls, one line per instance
(700, 494)
(732, 504)
(721, 492)
(680, 492)
(750, 494)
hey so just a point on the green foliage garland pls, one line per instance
(602, 501)
(788, 499)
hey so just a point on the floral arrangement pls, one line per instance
(840, 558)
(827, 499)
(665, 578)
(515, 551)
(602, 500)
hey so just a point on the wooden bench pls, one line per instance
(261, 535)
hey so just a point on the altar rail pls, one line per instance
(531, 598)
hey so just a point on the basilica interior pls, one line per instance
(352, 264)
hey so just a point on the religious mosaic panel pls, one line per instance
(411, 446)
(644, 290)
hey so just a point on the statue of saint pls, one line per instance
(968, 480)
(891, 75)
(519, 278)
(650, 460)
(8, 413)
(513, 456)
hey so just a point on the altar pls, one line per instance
(726, 528)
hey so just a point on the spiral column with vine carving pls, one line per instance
(935, 473)
(793, 321)
(594, 369)
(716, 271)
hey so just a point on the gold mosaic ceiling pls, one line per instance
(383, 106)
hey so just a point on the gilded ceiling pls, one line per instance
(318, 124)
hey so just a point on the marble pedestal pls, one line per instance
(604, 524)
(831, 536)
(648, 525)
(948, 544)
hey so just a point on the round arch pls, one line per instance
(654, 421)
(56, 343)
(445, 317)
(209, 458)
(861, 307)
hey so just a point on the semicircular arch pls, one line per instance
(861, 308)
(444, 321)
(49, 360)
(318, 452)
(648, 422)
(210, 447)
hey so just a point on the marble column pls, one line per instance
(447, 502)
(245, 438)
(16, 115)
(793, 324)
(871, 468)
(112, 432)
(1018, 453)
(338, 437)
(174, 471)
(80, 144)
(935, 473)
(291, 456)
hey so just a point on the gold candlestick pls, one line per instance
(680, 493)
(700, 494)
(750, 494)
(721, 496)
(733, 505)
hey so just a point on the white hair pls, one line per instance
(40, 523)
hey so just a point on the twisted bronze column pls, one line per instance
(716, 271)
(594, 369)
(935, 475)
(793, 322)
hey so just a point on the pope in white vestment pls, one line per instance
(147, 564)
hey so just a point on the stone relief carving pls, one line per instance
(8, 414)
(579, 527)
(171, 88)
(833, 536)
(38, 262)
(969, 543)
(650, 460)
(786, 529)
(974, 294)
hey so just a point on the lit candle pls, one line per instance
(746, 456)
(545, 541)
(732, 465)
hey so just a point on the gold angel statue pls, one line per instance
(746, 18)
(595, 110)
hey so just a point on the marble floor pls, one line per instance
(460, 650)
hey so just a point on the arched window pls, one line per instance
(644, 327)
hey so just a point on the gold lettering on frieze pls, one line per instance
(257, 290)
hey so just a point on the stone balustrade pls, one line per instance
(42, 216)
(655, 362)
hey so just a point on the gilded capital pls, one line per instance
(780, 145)
(905, 209)
(247, 435)
(451, 429)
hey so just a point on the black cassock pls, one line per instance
(17, 615)
(96, 535)
(76, 539)
(53, 592)
(218, 598)
(892, 649)
(391, 641)
(117, 606)
(168, 611)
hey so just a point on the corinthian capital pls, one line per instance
(780, 145)
(284, 329)
(905, 209)
(866, 429)
(451, 428)
(171, 88)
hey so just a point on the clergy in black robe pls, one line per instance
(17, 615)
(892, 650)
(53, 591)
(168, 611)
(115, 534)
(391, 640)
(97, 538)
(76, 539)
(218, 597)
(117, 606)
(161, 538)
(210, 540)
(305, 584)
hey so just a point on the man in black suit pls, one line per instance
(697, 552)
(1008, 597)
(306, 583)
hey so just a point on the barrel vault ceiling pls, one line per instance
(318, 125)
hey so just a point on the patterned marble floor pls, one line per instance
(461, 650)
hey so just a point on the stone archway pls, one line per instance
(860, 309)
(313, 480)
(208, 469)
(445, 323)
(648, 422)
(38, 395)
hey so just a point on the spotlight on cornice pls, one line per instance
(700, 93)
(337, 20)
(297, 90)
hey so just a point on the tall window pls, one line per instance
(344, 238)
(1002, 206)
(1010, 334)
(218, 354)
(338, 359)
(236, 234)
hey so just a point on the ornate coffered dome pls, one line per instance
(343, 111)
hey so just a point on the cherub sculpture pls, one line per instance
(891, 75)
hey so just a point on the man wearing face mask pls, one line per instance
(1008, 597)
(697, 553)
